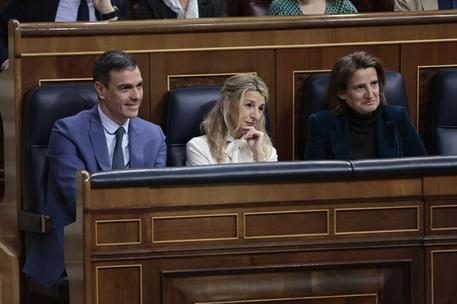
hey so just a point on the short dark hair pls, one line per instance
(342, 72)
(112, 61)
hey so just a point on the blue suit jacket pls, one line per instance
(35, 11)
(328, 135)
(78, 143)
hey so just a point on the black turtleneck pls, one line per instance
(362, 127)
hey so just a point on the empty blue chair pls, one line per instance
(41, 108)
(186, 108)
(442, 114)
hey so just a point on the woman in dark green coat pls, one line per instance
(359, 124)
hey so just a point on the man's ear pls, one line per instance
(100, 89)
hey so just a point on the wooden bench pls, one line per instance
(381, 231)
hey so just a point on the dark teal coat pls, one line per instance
(328, 135)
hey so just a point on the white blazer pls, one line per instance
(416, 5)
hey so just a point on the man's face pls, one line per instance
(122, 97)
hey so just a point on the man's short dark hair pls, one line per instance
(112, 61)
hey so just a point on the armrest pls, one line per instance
(34, 222)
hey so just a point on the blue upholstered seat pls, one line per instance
(186, 108)
(442, 114)
(41, 108)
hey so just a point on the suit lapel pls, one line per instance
(136, 145)
(98, 140)
(339, 138)
(387, 139)
(49, 13)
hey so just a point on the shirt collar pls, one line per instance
(109, 125)
(175, 6)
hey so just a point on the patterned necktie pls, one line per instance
(118, 155)
(83, 11)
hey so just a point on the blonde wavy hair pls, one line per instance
(218, 126)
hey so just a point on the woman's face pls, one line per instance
(362, 93)
(248, 113)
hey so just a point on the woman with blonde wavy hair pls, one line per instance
(235, 127)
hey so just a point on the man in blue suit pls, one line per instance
(108, 136)
(56, 11)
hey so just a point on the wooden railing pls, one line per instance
(304, 232)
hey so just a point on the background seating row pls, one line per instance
(260, 7)
(441, 136)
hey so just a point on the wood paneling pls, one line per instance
(443, 217)
(195, 228)
(436, 186)
(418, 64)
(377, 220)
(173, 70)
(286, 223)
(296, 284)
(76, 68)
(443, 263)
(327, 245)
(118, 232)
(9, 276)
(127, 280)
(209, 195)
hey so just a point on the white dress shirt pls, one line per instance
(67, 11)
(237, 151)
(175, 6)
(110, 128)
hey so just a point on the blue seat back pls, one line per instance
(186, 108)
(41, 108)
(442, 114)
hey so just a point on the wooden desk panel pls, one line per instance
(301, 242)
(419, 63)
